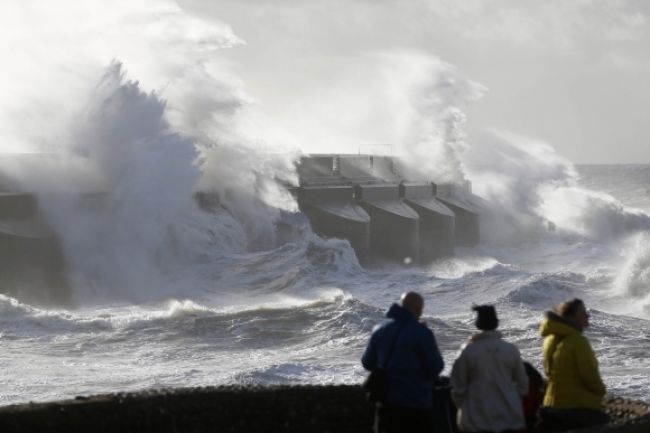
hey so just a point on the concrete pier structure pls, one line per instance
(394, 226)
(32, 263)
(361, 198)
(333, 212)
(346, 170)
(408, 221)
(467, 225)
(437, 221)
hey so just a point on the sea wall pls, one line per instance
(304, 409)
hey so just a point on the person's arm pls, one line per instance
(369, 357)
(438, 363)
(588, 367)
(520, 377)
(550, 344)
(433, 360)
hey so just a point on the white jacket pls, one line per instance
(488, 381)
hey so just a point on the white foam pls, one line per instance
(632, 283)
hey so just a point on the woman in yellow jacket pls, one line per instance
(575, 390)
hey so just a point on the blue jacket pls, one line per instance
(415, 362)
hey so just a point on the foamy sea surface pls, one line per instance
(301, 311)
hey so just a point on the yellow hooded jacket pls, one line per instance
(570, 365)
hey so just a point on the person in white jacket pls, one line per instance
(488, 380)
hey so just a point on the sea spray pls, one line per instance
(428, 98)
(145, 231)
(592, 214)
(252, 187)
(403, 102)
(58, 50)
(507, 170)
(129, 239)
(533, 195)
(115, 164)
(633, 280)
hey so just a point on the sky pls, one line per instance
(573, 74)
(390, 76)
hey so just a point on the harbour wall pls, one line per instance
(313, 409)
(364, 198)
(30, 253)
(361, 198)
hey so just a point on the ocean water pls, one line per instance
(301, 312)
(167, 295)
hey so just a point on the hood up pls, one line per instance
(554, 324)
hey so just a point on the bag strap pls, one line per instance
(392, 346)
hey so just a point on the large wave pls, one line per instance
(117, 166)
(126, 157)
(144, 148)
(633, 280)
(533, 194)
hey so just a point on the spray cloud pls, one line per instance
(143, 147)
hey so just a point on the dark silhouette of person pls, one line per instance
(575, 390)
(488, 379)
(415, 362)
(533, 400)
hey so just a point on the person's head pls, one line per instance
(413, 303)
(574, 310)
(486, 317)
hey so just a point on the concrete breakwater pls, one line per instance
(307, 408)
(364, 199)
(367, 200)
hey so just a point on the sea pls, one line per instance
(164, 294)
(301, 310)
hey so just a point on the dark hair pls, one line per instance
(570, 308)
(486, 317)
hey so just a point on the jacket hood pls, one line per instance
(554, 324)
(399, 313)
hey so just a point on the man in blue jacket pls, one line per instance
(414, 364)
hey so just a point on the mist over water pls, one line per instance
(168, 294)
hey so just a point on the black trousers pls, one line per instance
(398, 419)
(565, 419)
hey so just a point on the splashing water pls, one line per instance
(168, 294)
(147, 178)
(533, 193)
(634, 278)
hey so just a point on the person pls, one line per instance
(575, 389)
(533, 400)
(415, 362)
(488, 379)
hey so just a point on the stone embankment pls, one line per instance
(304, 409)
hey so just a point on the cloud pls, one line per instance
(556, 24)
